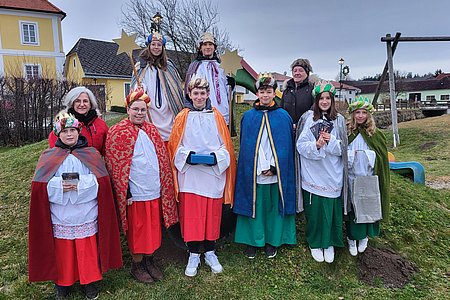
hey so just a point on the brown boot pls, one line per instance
(152, 269)
(139, 273)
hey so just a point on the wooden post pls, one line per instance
(383, 75)
(392, 93)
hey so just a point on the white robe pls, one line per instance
(321, 170)
(144, 180)
(361, 160)
(205, 69)
(202, 136)
(265, 160)
(73, 213)
(162, 117)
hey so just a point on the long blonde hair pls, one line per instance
(369, 125)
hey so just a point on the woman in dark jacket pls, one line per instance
(297, 97)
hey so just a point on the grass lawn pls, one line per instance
(426, 141)
(418, 230)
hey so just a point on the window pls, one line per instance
(32, 71)
(349, 92)
(431, 98)
(445, 97)
(29, 32)
(74, 63)
(127, 87)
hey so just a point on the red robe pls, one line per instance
(41, 249)
(118, 154)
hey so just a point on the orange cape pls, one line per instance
(175, 140)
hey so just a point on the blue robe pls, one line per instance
(280, 131)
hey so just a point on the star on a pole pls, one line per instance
(231, 62)
(126, 43)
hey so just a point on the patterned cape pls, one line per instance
(119, 150)
(170, 84)
(175, 140)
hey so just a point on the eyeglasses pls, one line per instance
(137, 110)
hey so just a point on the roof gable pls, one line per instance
(32, 5)
(100, 59)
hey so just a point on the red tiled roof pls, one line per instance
(337, 85)
(442, 75)
(280, 77)
(249, 69)
(33, 5)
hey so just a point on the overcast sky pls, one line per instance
(272, 34)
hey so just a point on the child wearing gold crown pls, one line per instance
(367, 155)
(322, 149)
(203, 164)
(73, 233)
(138, 163)
(264, 196)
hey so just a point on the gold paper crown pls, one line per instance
(207, 37)
(198, 81)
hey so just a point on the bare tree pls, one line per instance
(183, 23)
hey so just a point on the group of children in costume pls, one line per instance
(182, 168)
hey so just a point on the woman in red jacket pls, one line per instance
(81, 102)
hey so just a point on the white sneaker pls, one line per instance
(329, 254)
(352, 247)
(212, 261)
(362, 245)
(317, 254)
(193, 264)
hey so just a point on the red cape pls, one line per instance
(41, 249)
(118, 154)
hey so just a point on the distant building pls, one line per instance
(346, 92)
(31, 39)
(432, 90)
(280, 79)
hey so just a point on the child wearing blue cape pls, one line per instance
(265, 197)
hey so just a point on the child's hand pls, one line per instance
(320, 142)
(267, 173)
(325, 135)
(68, 187)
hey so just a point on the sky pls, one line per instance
(272, 34)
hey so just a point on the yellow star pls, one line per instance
(231, 61)
(126, 43)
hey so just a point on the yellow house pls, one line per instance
(94, 64)
(30, 39)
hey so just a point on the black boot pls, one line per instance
(91, 291)
(62, 291)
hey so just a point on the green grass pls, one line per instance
(418, 230)
(428, 142)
